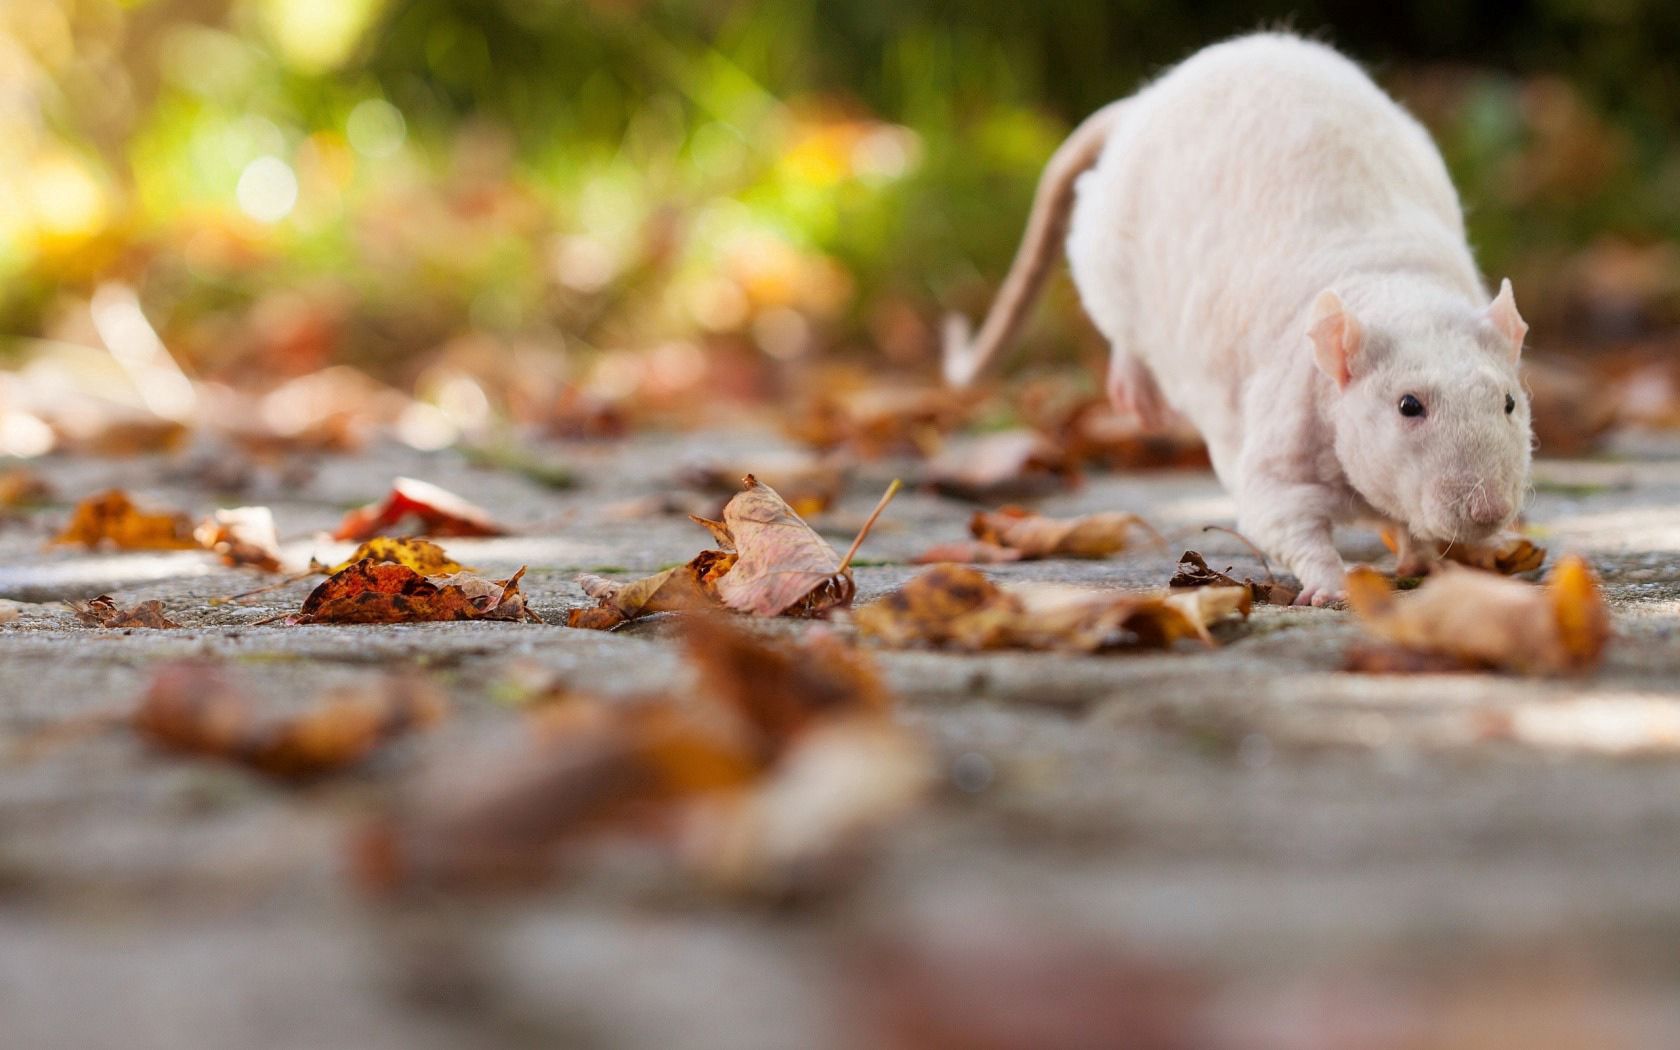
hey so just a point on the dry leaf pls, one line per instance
(1193, 571)
(879, 420)
(423, 556)
(1036, 536)
(1091, 431)
(1505, 555)
(21, 486)
(422, 508)
(957, 607)
(242, 536)
(782, 565)
(972, 552)
(1571, 407)
(112, 518)
(779, 759)
(1485, 621)
(1011, 464)
(191, 708)
(684, 588)
(103, 612)
(386, 592)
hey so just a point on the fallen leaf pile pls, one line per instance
(1010, 464)
(771, 769)
(1017, 534)
(192, 708)
(242, 536)
(387, 592)
(956, 607)
(423, 556)
(112, 519)
(421, 508)
(1193, 571)
(103, 612)
(1460, 619)
(770, 564)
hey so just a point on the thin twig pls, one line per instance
(287, 582)
(1246, 542)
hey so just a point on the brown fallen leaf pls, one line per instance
(1010, 464)
(956, 607)
(423, 556)
(875, 420)
(1505, 555)
(1091, 431)
(1571, 407)
(770, 770)
(1193, 571)
(21, 487)
(971, 552)
(422, 507)
(782, 566)
(192, 708)
(386, 592)
(1484, 621)
(1036, 536)
(242, 536)
(683, 588)
(103, 612)
(112, 518)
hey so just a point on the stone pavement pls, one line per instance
(1237, 847)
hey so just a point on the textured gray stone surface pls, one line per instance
(1327, 854)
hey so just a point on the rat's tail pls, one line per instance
(966, 357)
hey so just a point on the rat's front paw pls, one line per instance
(1323, 590)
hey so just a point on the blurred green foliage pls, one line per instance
(291, 182)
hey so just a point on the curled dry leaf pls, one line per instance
(112, 518)
(1505, 555)
(386, 592)
(103, 612)
(684, 588)
(956, 607)
(1036, 536)
(769, 770)
(419, 507)
(1091, 431)
(1193, 571)
(193, 708)
(1011, 464)
(242, 536)
(782, 566)
(423, 556)
(1464, 620)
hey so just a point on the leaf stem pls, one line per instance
(869, 523)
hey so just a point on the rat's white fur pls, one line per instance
(1274, 249)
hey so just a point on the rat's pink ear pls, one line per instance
(1502, 314)
(1337, 337)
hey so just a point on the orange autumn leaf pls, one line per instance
(953, 606)
(192, 708)
(423, 556)
(112, 518)
(242, 536)
(422, 507)
(1010, 464)
(385, 592)
(103, 612)
(21, 486)
(1482, 621)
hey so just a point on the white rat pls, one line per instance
(1273, 248)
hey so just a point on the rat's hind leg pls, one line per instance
(1132, 388)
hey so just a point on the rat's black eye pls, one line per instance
(1410, 406)
(1510, 404)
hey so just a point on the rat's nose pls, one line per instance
(1486, 508)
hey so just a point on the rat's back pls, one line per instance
(1229, 193)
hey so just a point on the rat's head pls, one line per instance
(1432, 424)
